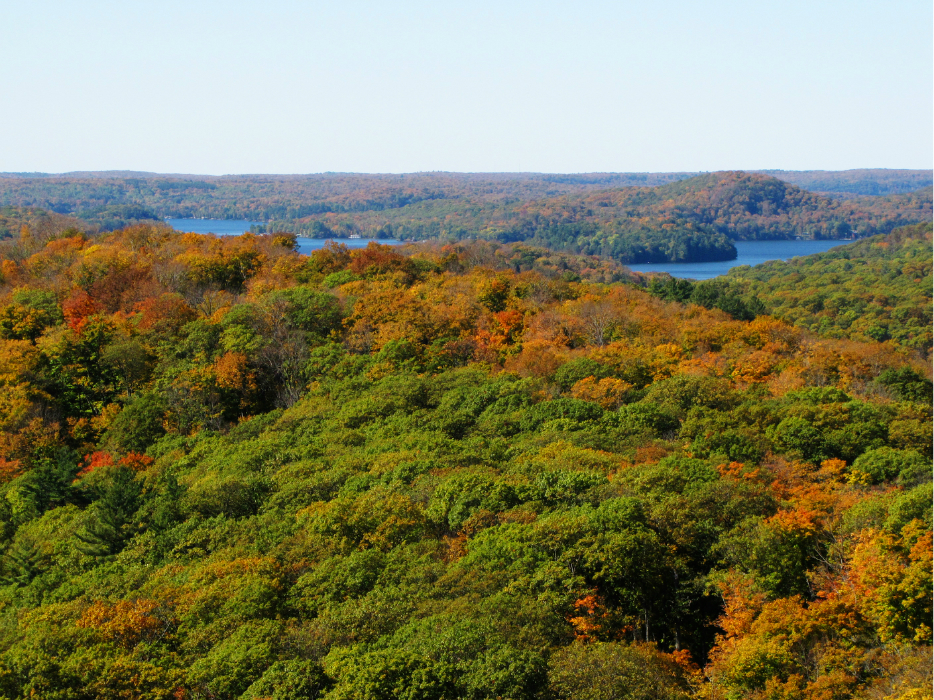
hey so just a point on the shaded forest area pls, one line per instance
(633, 218)
(471, 470)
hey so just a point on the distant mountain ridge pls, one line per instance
(854, 182)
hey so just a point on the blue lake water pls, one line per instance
(306, 245)
(748, 252)
(222, 227)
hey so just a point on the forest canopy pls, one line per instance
(463, 470)
(875, 289)
(878, 288)
(633, 218)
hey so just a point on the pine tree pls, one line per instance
(111, 524)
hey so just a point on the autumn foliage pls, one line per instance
(471, 470)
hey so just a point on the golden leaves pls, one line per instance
(609, 392)
(126, 622)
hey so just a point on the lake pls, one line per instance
(748, 252)
(222, 227)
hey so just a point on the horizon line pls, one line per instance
(121, 173)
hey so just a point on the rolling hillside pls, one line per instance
(629, 217)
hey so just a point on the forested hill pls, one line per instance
(37, 222)
(745, 206)
(878, 288)
(286, 197)
(838, 183)
(856, 183)
(692, 219)
(229, 471)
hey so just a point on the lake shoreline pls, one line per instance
(747, 252)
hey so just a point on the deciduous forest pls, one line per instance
(468, 469)
(631, 217)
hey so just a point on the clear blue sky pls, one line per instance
(367, 86)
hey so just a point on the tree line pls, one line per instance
(635, 218)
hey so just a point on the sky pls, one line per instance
(364, 86)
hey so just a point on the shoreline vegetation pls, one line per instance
(632, 218)
(468, 468)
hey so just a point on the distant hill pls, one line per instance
(277, 197)
(268, 197)
(86, 174)
(631, 217)
(860, 182)
(746, 206)
(48, 224)
(693, 219)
